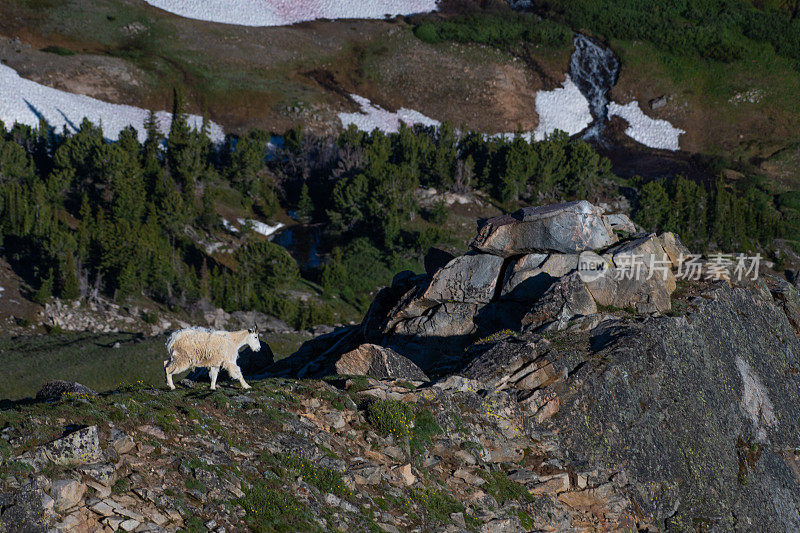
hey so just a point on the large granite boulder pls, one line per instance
(567, 228)
(565, 299)
(637, 275)
(453, 319)
(674, 248)
(470, 278)
(529, 276)
(378, 362)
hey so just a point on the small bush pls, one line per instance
(59, 50)
(270, 510)
(503, 489)
(438, 503)
(425, 427)
(391, 417)
(325, 479)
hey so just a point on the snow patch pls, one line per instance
(26, 101)
(228, 226)
(285, 12)
(655, 133)
(564, 109)
(260, 227)
(373, 117)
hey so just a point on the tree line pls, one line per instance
(80, 215)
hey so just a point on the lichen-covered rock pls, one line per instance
(56, 388)
(470, 278)
(378, 362)
(79, 447)
(23, 511)
(567, 228)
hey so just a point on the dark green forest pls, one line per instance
(80, 214)
(719, 30)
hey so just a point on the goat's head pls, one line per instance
(252, 339)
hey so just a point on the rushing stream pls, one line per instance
(594, 69)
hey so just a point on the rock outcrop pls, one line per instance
(525, 271)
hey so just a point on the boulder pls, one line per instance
(529, 276)
(638, 275)
(394, 304)
(67, 493)
(645, 256)
(674, 248)
(79, 447)
(506, 363)
(658, 102)
(615, 289)
(470, 278)
(688, 403)
(56, 388)
(378, 362)
(564, 300)
(452, 319)
(567, 228)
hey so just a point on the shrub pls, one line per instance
(325, 479)
(438, 503)
(270, 510)
(391, 417)
(59, 50)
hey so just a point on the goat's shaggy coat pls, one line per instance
(201, 347)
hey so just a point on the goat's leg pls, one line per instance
(169, 369)
(236, 373)
(213, 372)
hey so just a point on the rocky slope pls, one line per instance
(658, 404)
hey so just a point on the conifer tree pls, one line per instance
(305, 207)
(69, 288)
(45, 291)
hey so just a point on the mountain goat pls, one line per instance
(201, 347)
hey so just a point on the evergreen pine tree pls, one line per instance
(45, 291)
(305, 207)
(69, 288)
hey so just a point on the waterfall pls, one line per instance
(594, 69)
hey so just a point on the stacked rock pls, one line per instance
(539, 268)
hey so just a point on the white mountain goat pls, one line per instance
(201, 347)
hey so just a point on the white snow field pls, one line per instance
(260, 227)
(285, 12)
(564, 109)
(652, 132)
(26, 101)
(373, 117)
